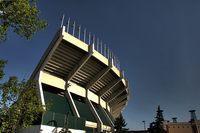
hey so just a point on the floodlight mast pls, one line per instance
(144, 125)
(62, 20)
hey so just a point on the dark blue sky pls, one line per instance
(156, 41)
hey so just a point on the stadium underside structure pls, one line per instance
(84, 89)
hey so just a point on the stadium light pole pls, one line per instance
(144, 125)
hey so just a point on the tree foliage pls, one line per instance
(2, 64)
(21, 16)
(120, 123)
(157, 125)
(19, 103)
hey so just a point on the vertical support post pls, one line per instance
(68, 25)
(74, 26)
(93, 40)
(89, 38)
(94, 112)
(71, 101)
(101, 47)
(79, 32)
(39, 86)
(108, 117)
(105, 50)
(108, 53)
(62, 21)
(84, 35)
(114, 60)
(97, 44)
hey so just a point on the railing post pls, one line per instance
(53, 117)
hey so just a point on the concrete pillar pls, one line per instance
(97, 118)
(71, 101)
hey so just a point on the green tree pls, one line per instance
(20, 16)
(157, 125)
(120, 123)
(19, 103)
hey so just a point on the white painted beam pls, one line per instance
(100, 75)
(116, 94)
(109, 86)
(118, 100)
(117, 112)
(78, 66)
(49, 52)
(94, 112)
(123, 103)
(97, 77)
(71, 102)
(39, 86)
(119, 109)
(106, 115)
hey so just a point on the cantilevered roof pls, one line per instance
(73, 60)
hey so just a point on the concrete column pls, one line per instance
(105, 113)
(71, 101)
(97, 118)
(39, 86)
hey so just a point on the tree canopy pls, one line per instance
(19, 103)
(157, 125)
(20, 16)
(120, 123)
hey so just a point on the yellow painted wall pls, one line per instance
(103, 103)
(76, 89)
(52, 80)
(93, 97)
(73, 88)
(75, 41)
(179, 129)
(183, 127)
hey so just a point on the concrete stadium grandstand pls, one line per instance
(83, 83)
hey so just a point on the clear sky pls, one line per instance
(156, 41)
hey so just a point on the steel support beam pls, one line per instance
(49, 52)
(100, 75)
(71, 102)
(123, 103)
(109, 86)
(119, 99)
(116, 94)
(119, 109)
(39, 86)
(108, 117)
(94, 112)
(78, 66)
(117, 112)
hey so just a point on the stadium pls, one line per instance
(82, 81)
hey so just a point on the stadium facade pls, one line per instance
(82, 83)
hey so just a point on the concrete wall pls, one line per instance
(181, 127)
(32, 129)
(49, 129)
